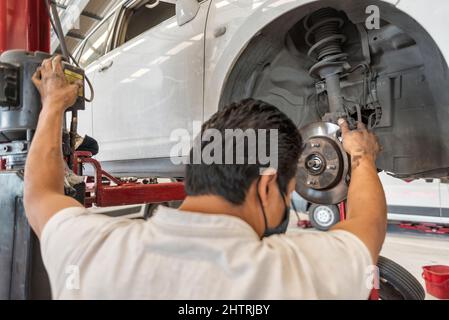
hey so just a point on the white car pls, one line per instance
(418, 201)
(158, 66)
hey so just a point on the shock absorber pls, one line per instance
(324, 37)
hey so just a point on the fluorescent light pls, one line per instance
(280, 3)
(256, 5)
(171, 25)
(221, 4)
(132, 45)
(112, 56)
(197, 37)
(87, 55)
(92, 69)
(100, 41)
(179, 48)
(140, 73)
(127, 80)
(159, 60)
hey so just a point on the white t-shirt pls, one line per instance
(185, 255)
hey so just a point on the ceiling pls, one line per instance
(78, 18)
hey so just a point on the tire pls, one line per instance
(396, 283)
(324, 217)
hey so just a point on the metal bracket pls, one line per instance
(20, 147)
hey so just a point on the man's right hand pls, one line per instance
(56, 92)
(359, 143)
(367, 208)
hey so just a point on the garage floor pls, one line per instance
(414, 250)
(410, 249)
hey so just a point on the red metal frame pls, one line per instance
(304, 224)
(116, 192)
(24, 24)
(425, 227)
(342, 209)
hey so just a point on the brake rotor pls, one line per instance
(323, 168)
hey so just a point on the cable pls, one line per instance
(53, 15)
(58, 30)
(64, 48)
(91, 87)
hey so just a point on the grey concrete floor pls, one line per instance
(412, 250)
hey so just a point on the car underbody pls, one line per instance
(393, 78)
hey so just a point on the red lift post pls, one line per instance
(24, 24)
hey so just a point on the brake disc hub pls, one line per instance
(323, 166)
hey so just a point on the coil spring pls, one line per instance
(324, 38)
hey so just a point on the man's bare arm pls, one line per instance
(44, 172)
(367, 209)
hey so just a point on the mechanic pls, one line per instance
(227, 239)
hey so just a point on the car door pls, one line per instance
(150, 85)
(91, 50)
(417, 200)
(444, 196)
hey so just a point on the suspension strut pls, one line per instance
(325, 40)
(323, 169)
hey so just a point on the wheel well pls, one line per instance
(274, 68)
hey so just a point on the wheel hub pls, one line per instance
(323, 215)
(323, 165)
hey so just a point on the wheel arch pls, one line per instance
(283, 14)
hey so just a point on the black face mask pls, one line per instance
(282, 227)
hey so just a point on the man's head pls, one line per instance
(248, 193)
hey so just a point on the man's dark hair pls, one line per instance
(232, 181)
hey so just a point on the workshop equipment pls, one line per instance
(24, 25)
(437, 281)
(108, 191)
(22, 274)
(425, 227)
(19, 111)
(20, 102)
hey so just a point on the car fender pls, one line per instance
(433, 18)
(231, 26)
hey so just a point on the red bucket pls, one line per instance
(437, 281)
